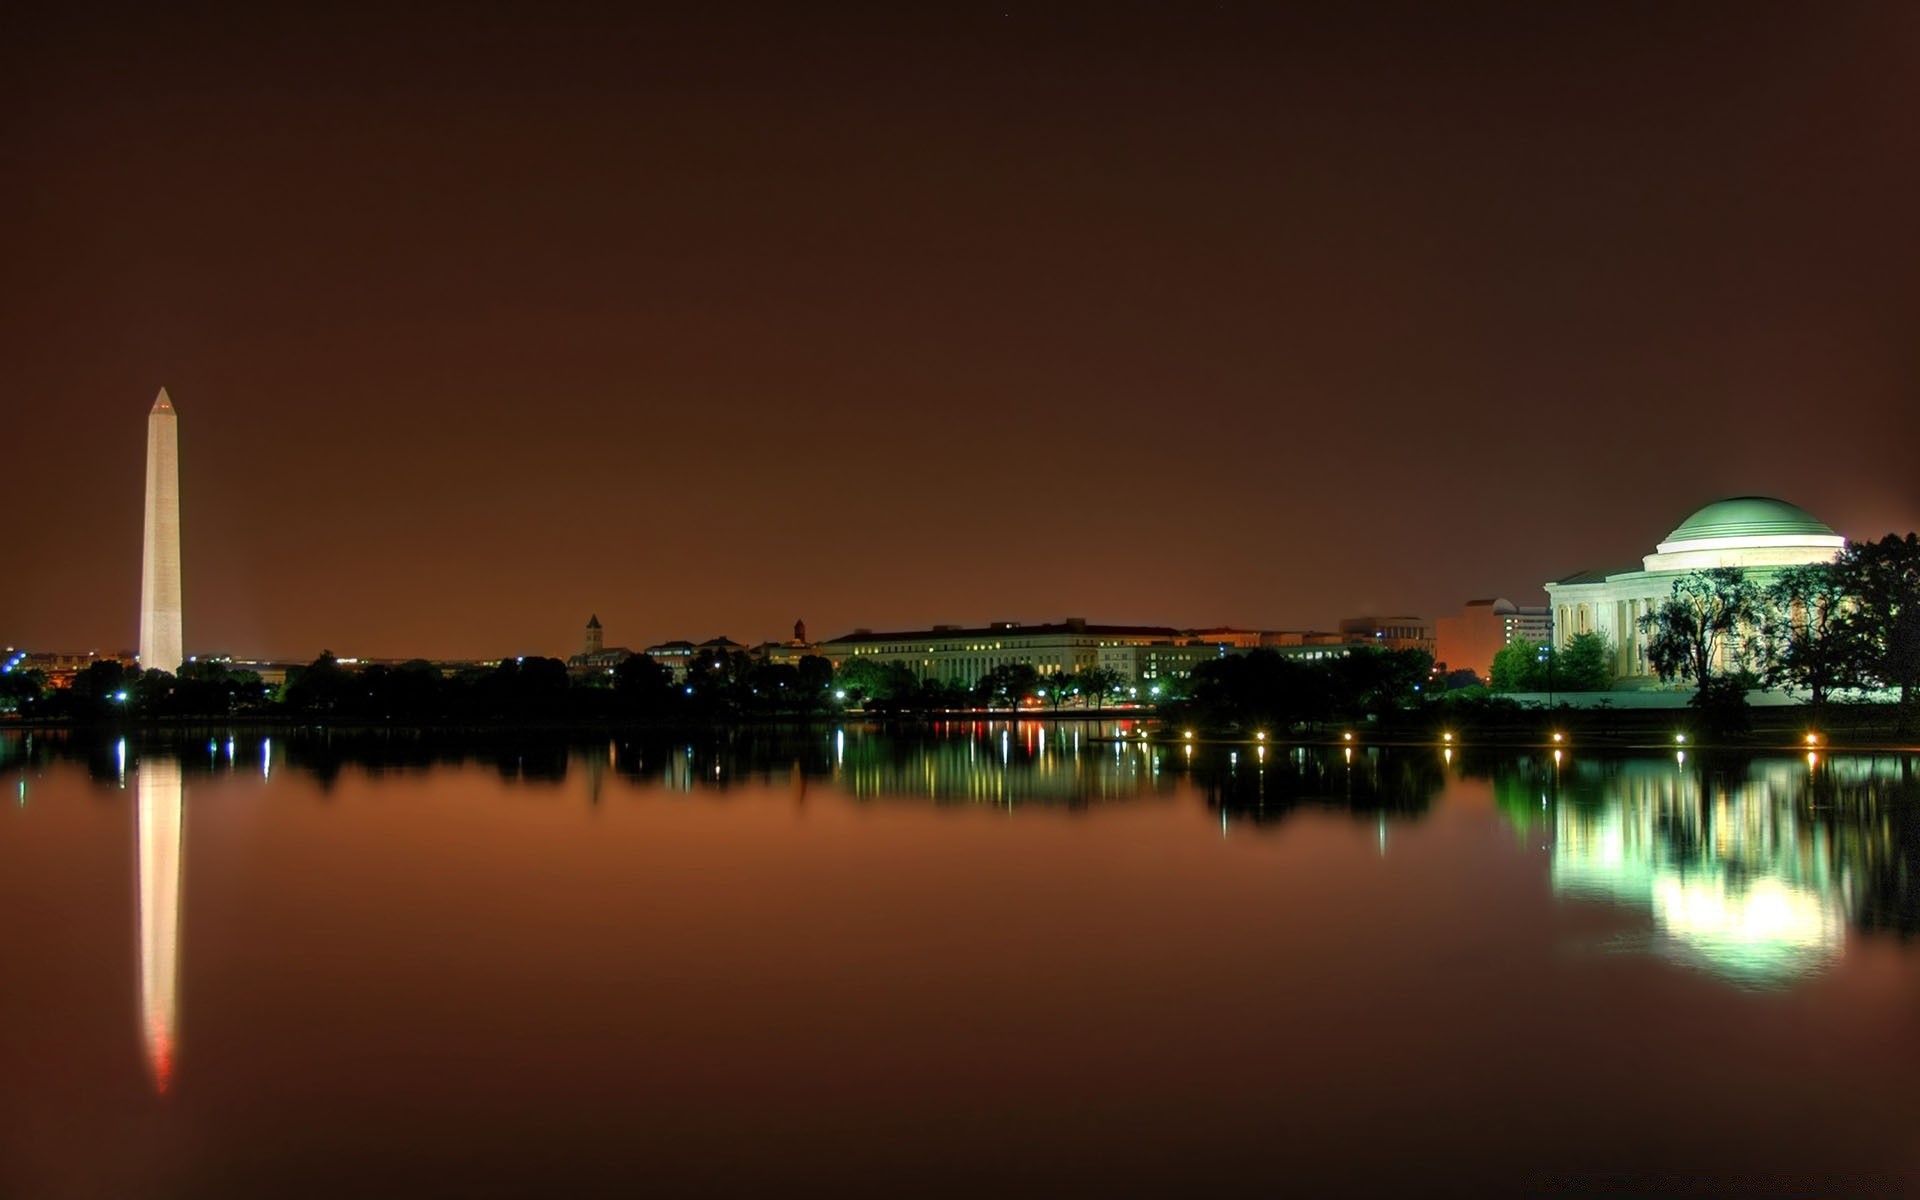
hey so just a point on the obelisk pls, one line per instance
(161, 644)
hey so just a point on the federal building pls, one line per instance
(1758, 534)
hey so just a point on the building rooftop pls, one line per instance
(1004, 630)
(1749, 516)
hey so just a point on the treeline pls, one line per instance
(108, 690)
(1263, 690)
(718, 686)
(1584, 664)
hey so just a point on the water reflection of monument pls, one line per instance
(159, 824)
(1736, 879)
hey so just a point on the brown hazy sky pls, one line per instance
(709, 318)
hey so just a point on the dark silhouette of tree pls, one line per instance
(1099, 684)
(1883, 579)
(1006, 685)
(816, 675)
(23, 692)
(1700, 620)
(1809, 641)
(641, 685)
(322, 686)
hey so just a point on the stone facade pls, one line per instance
(1755, 533)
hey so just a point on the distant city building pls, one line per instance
(60, 667)
(1469, 641)
(787, 653)
(1389, 633)
(965, 654)
(595, 657)
(1305, 644)
(675, 656)
(1756, 533)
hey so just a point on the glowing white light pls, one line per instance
(159, 833)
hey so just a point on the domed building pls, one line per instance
(1757, 533)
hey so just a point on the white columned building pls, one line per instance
(1758, 534)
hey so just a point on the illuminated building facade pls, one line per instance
(1388, 633)
(596, 657)
(964, 655)
(1469, 641)
(1758, 534)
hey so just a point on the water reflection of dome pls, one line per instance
(1758, 930)
(1733, 881)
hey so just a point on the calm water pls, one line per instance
(1017, 958)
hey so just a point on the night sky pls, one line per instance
(712, 318)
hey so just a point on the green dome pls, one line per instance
(1750, 516)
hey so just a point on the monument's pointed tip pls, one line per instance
(162, 402)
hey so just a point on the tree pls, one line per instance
(1883, 579)
(1098, 683)
(1006, 685)
(862, 679)
(22, 691)
(1585, 664)
(816, 674)
(1699, 623)
(1372, 683)
(1514, 666)
(1810, 643)
(640, 683)
(320, 686)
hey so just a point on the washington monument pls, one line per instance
(161, 642)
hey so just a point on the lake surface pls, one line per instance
(989, 957)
